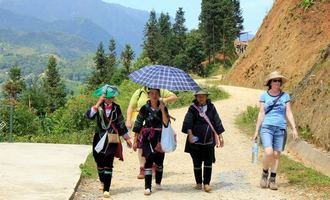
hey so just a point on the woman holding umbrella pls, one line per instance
(138, 99)
(149, 122)
(106, 142)
(204, 128)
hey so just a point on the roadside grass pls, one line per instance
(296, 173)
(88, 169)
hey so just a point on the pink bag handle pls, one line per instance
(217, 140)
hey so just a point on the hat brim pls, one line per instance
(284, 79)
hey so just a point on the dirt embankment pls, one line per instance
(296, 42)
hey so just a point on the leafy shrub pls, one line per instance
(248, 119)
(306, 4)
(25, 121)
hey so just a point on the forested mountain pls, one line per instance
(124, 24)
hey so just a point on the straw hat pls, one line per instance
(275, 75)
(201, 92)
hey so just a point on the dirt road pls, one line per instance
(233, 176)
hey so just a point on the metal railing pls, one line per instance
(3, 123)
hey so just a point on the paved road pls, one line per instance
(40, 171)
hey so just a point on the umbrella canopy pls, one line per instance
(164, 77)
(109, 91)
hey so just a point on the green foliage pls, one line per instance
(305, 4)
(35, 96)
(305, 177)
(221, 23)
(151, 38)
(305, 133)
(164, 43)
(98, 76)
(71, 118)
(25, 121)
(15, 85)
(126, 57)
(54, 86)
(179, 32)
(88, 169)
(248, 119)
(186, 98)
(191, 58)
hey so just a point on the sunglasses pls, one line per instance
(277, 80)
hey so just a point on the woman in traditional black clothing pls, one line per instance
(204, 128)
(149, 122)
(110, 121)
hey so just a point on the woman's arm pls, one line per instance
(129, 116)
(289, 115)
(165, 116)
(261, 117)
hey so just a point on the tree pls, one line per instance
(151, 38)
(54, 86)
(35, 96)
(165, 35)
(111, 61)
(221, 22)
(179, 32)
(127, 56)
(15, 85)
(99, 74)
(193, 55)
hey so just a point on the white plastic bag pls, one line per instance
(168, 139)
(99, 146)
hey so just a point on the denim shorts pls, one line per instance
(273, 136)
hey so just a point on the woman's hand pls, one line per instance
(222, 142)
(255, 136)
(128, 124)
(134, 145)
(295, 133)
(162, 106)
(100, 100)
(129, 143)
(190, 138)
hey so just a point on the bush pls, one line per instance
(248, 119)
(25, 121)
(186, 98)
(305, 4)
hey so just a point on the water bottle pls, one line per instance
(255, 152)
(194, 138)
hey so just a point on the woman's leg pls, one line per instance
(108, 171)
(266, 136)
(208, 154)
(159, 160)
(197, 163)
(148, 172)
(99, 159)
(268, 159)
(142, 161)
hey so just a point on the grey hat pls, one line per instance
(201, 92)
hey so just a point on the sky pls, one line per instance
(253, 11)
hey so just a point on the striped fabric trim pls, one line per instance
(207, 166)
(159, 168)
(107, 172)
(197, 168)
(148, 171)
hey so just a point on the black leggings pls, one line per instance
(200, 155)
(104, 167)
(158, 159)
